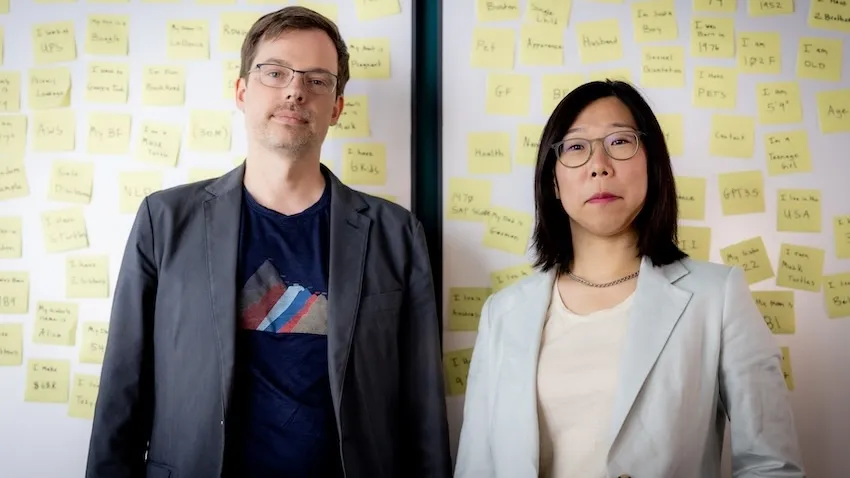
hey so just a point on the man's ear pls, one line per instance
(241, 86)
(337, 111)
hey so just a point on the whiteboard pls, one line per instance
(41, 439)
(818, 347)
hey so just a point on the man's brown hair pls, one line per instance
(272, 25)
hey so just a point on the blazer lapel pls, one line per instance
(657, 306)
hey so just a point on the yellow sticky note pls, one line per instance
(202, 174)
(841, 230)
(528, 143)
(10, 91)
(798, 210)
(654, 21)
(10, 237)
(556, 86)
(456, 365)
(4, 6)
(614, 74)
(800, 267)
(48, 381)
(715, 87)
(819, 58)
(14, 292)
(210, 130)
(230, 75)
(787, 152)
(672, 124)
(465, 305)
(741, 192)
(496, 10)
(690, 192)
(71, 181)
(760, 52)
(372, 9)
(2, 39)
(488, 153)
(732, 136)
(712, 37)
(599, 41)
(777, 308)
(786, 368)
(234, 28)
(13, 136)
(54, 42)
(508, 94)
(164, 86)
(55, 323)
(49, 88)
(93, 341)
(87, 276)
(187, 40)
(83, 396)
(354, 120)
(329, 10)
(108, 35)
(54, 130)
(541, 45)
(548, 12)
(108, 83)
(695, 241)
(504, 277)
(836, 294)
(13, 179)
(109, 133)
(830, 15)
(134, 186)
(364, 164)
(716, 6)
(663, 67)
(764, 8)
(369, 58)
(159, 143)
(469, 199)
(834, 110)
(779, 102)
(64, 229)
(751, 256)
(508, 230)
(11, 344)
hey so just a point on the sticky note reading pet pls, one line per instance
(159, 143)
(504, 277)
(787, 152)
(528, 143)
(488, 153)
(108, 35)
(364, 164)
(834, 110)
(354, 120)
(672, 125)
(760, 52)
(49, 88)
(373, 9)
(830, 15)
(777, 308)
(10, 237)
(841, 228)
(187, 40)
(798, 210)
(10, 91)
(465, 305)
(508, 230)
(741, 192)
(369, 58)
(47, 381)
(599, 41)
(541, 45)
(55, 323)
(54, 130)
(712, 37)
(496, 10)
(508, 94)
(83, 396)
(164, 86)
(230, 75)
(108, 83)
(134, 186)
(663, 67)
(14, 292)
(210, 130)
(11, 345)
(786, 368)
(234, 28)
(715, 87)
(54, 42)
(779, 102)
(836, 294)
(732, 136)
(493, 48)
(557, 86)
(87, 276)
(93, 341)
(695, 241)
(654, 21)
(71, 181)
(715, 6)
(456, 365)
(819, 58)
(690, 192)
(800, 267)
(469, 199)
(109, 133)
(751, 256)
(762, 8)
(13, 179)
(554, 13)
(64, 229)
(13, 135)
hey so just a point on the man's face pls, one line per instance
(293, 118)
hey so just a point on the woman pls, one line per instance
(621, 356)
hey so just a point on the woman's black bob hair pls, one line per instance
(655, 224)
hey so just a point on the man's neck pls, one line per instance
(603, 259)
(285, 185)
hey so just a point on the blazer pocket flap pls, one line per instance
(382, 301)
(157, 470)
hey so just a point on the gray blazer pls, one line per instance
(166, 377)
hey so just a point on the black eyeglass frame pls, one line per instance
(637, 134)
(303, 73)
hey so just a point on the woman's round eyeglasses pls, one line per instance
(278, 76)
(619, 145)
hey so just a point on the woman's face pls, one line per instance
(603, 196)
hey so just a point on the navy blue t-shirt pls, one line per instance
(281, 421)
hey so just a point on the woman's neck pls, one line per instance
(604, 259)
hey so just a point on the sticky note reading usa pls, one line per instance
(456, 364)
(777, 308)
(800, 267)
(469, 199)
(465, 305)
(751, 256)
(798, 210)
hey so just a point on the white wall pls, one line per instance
(818, 346)
(41, 439)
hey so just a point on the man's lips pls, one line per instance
(289, 118)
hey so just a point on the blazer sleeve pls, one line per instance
(427, 452)
(474, 457)
(753, 390)
(122, 417)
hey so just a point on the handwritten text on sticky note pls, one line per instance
(107, 83)
(465, 305)
(732, 136)
(456, 364)
(836, 291)
(751, 256)
(715, 87)
(109, 133)
(188, 40)
(741, 192)
(798, 210)
(508, 94)
(365, 164)
(71, 181)
(787, 152)
(800, 267)
(87, 276)
(469, 199)
(369, 58)
(10, 237)
(690, 192)
(11, 344)
(55, 323)
(134, 186)
(14, 292)
(83, 396)
(64, 230)
(93, 341)
(760, 52)
(47, 381)
(777, 308)
(164, 86)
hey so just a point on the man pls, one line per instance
(274, 322)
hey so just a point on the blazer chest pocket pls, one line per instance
(157, 470)
(380, 310)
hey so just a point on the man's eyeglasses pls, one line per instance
(279, 76)
(576, 152)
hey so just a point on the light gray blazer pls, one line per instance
(697, 350)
